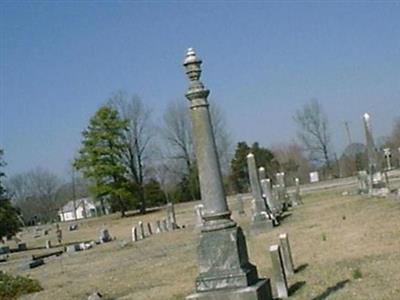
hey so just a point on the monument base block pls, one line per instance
(261, 290)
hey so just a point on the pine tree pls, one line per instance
(239, 174)
(9, 223)
(100, 159)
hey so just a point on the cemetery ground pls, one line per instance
(344, 247)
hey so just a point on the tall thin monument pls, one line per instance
(225, 271)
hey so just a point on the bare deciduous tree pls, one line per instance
(313, 132)
(177, 132)
(137, 138)
(36, 193)
(292, 161)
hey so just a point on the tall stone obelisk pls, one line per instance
(376, 180)
(225, 271)
(260, 220)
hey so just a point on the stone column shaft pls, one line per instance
(225, 271)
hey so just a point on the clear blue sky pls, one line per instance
(262, 61)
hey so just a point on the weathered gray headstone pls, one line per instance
(275, 197)
(73, 248)
(266, 187)
(141, 231)
(48, 244)
(240, 204)
(171, 217)
(297, 191)
(22, 247)
(227, 275)
(4, 249)
(363, 183)
(95, 296)
(286, 254)
(4, 257)
(198, 210)
(36, 263)
(260, 219)
(164, 225)
(104, 236)
(134, 234)
(149, 230)
(388, 155)
(261, 173)
(279, 276)
(158, 228)
(281, 189)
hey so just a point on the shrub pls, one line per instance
(12, 287)
(357, 274)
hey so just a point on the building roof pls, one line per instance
(69, 207)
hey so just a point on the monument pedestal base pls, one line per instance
(261, 290)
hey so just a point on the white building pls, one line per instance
(84, 205)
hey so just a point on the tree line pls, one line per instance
(127, 161)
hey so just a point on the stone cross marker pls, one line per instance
(228, 275)
(279, 275)
(260, 219)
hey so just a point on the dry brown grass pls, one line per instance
(348, 247)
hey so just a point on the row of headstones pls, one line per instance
(270, 201)
(373, 185)
(139, 232)
(276, 198)
(168, 224)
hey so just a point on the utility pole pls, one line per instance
(74, 192)
(346, 125)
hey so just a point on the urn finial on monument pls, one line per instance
(196, 93)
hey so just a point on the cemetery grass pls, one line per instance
(344, 247)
